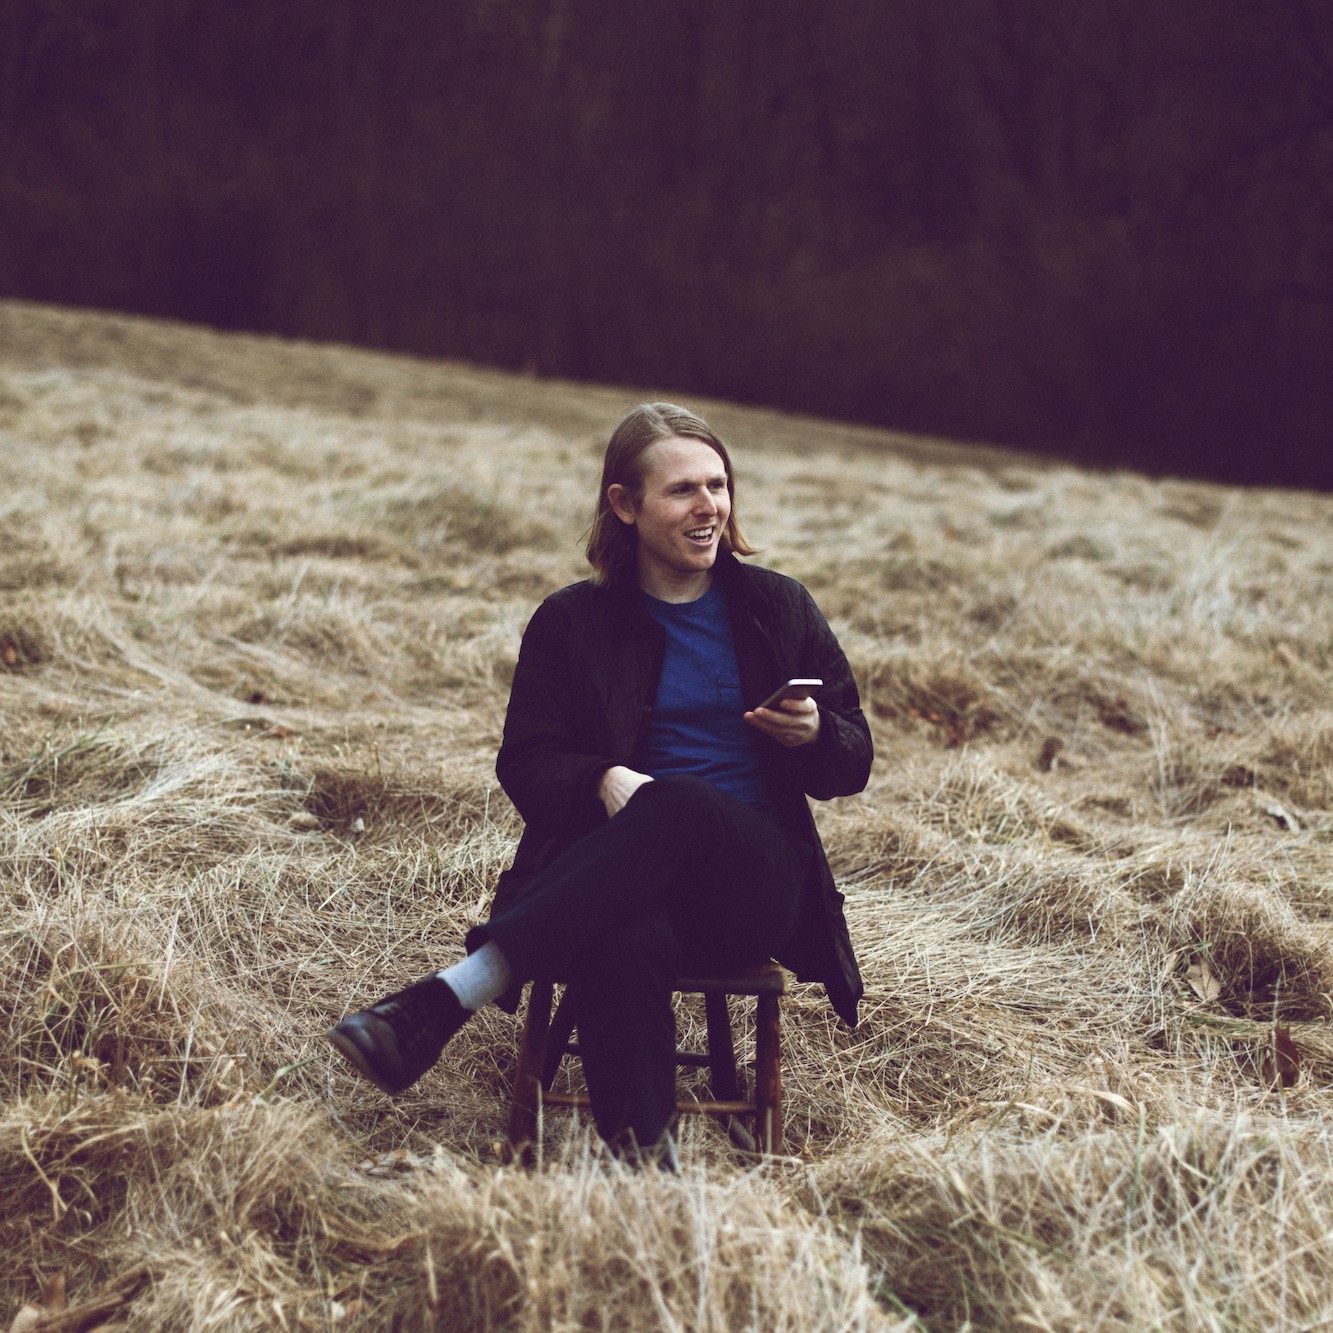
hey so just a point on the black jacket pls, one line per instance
(584, 686)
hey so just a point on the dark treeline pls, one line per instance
(1098, 226)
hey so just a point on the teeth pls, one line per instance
(700, 533)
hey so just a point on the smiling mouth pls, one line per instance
(701, 535)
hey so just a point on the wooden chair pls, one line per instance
(546, 1041)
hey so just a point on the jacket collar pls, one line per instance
(629, 616)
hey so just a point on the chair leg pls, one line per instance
(721, 1049)
(527, 1078)
(768, 1074)
(723, 1080)
(557, 1039)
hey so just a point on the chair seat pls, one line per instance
(546, 1041)
(764, 979)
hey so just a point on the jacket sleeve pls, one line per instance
(838, 763)
(548, 764)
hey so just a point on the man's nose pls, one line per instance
(707, 502)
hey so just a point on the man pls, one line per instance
(666, 823)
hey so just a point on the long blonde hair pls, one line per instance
(612, 544)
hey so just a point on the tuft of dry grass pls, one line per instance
(259, 608)
(1207, 1221)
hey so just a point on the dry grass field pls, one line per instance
(259, 604)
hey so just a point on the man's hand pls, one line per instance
(793, 722)
(618, 784)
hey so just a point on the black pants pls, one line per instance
(683, 879)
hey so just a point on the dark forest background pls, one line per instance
(1099, 227)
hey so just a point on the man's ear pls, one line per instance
(622, 503)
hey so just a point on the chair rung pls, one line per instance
(684, 1104)
(690, 1059)
(565, 1098)
(715, 1108)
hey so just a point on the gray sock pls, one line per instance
(479, 978)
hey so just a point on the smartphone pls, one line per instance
(793, 689)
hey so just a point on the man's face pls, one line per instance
(679, 517)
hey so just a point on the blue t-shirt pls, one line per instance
(696, 727)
